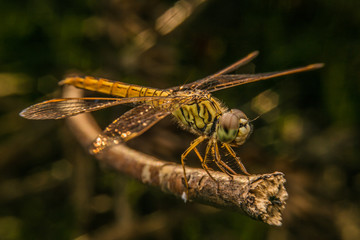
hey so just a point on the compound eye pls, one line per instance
(229, 121)
(228, 127)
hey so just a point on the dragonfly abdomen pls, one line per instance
(114, 88)
(199, 116)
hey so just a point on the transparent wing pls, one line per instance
(231, 80)
(129, 125)
(66, 107)
(222, 80)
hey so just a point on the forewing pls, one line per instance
(66, 107)
(222, 80)
(231, 80)
(129, 125)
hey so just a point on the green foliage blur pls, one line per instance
(51, 188)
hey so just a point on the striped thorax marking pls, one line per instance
(199, 115)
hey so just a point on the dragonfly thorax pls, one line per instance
(233, 127)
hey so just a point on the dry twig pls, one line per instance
(261, 197)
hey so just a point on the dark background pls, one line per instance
(51, 188)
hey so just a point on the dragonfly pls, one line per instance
(192, 105)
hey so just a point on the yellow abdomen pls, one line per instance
(118, 89)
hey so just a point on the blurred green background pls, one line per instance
(51, 188)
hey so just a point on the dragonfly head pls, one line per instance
(233, 127)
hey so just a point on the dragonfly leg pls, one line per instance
(220, 163)
(203, 164)
(233, 154)
(183, 156)
(208, 147)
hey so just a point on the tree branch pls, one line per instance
(261, 197)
